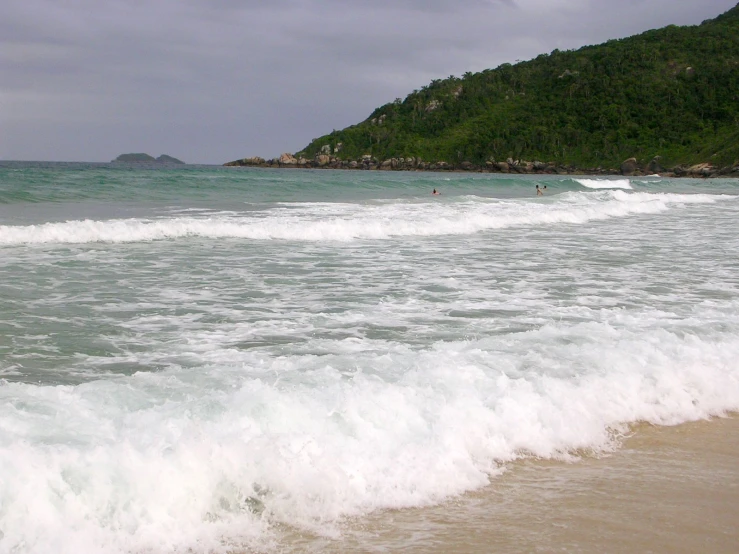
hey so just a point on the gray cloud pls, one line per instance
(210, 81)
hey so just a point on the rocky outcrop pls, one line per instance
(630, 167)
(255, 161)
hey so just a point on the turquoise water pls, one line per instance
(195, 357)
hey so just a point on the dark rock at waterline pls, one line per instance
(629, 167)
(654, 166)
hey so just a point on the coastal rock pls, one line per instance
(288, 159)
(467, 166)
(679, 171)
(655, 166)
(256, 160)
(629, 167)
(701, 170)
(503, 167)
(322, 160)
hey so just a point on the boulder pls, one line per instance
(701, 170)
(679, 171)
(655, 166)
(503, 167)
(322, 160)
(288, 159)
(629, 167)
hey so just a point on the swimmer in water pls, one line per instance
(435, 193)
(538, 191)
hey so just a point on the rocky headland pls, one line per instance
(605, 109)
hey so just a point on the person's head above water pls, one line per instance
(435, 192)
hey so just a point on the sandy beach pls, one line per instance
(667, 490)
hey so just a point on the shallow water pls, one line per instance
(209, 358)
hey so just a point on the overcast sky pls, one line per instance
(210, 81)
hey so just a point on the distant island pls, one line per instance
(664, 101)
(146, 158)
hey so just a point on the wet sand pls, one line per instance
(667, 489)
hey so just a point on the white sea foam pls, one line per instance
(605, 183)
(347, 222)
(212, 457)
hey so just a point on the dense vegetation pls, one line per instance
(672, 92)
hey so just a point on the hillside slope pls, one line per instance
(672, 92)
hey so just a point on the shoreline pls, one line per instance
(664, 490)
(699, 171)
(629, 168)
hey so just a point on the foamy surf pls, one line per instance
(160, 462)
(344, 223)
(605, 183)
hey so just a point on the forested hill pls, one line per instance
(672, 92)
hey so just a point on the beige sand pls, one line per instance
(668, 490)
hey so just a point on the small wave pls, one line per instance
(349, 222)
(605, 183)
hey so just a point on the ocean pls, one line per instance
(208, 359)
